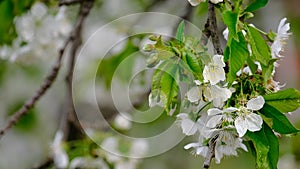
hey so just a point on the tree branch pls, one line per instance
(85, 8)
(211, 30)
(210, 154)
(69, 2)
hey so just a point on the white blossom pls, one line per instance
(40, 34)
(123, 121)
(227, 144)
(280, 39)
(194, 94)
(217, 116)
(218, 95)
(188, 126)
(214, 72)
(247, 120)
(60, 157)
(86, 162)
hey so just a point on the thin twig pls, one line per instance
(83, 13)
(69, 2)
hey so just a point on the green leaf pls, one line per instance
(169, 88)
(180, 32)
(253, 67)
(194, 65)
(285, 100)
(266, 147)
(260, 49)
(256, 5)
(274, 146)
(230, 18)
(261, 146)
(280, 122)
(237, 57)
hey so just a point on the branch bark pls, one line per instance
(72, 120)
(211, 30)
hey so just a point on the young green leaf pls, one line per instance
(256, 5)
(285, 100)
(260, 49)
(180, 32)
(194, 65)
(237, 57)
(169, 88)
(280, 122)
(230, 18)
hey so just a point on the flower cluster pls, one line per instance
(227, 124)
(41, 32)
(227, 99)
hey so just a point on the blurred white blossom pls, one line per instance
(280, 39)
(60, 157)
(40, 34)
(123, 121)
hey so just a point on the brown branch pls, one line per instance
(210, 154)
(69, 2)
(211, 30)
(70, 110)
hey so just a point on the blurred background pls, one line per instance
(29, 42)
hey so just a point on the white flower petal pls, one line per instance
(188, 126)
(218, 154)
(190, 145)
(219, 60)
(194, 94)
(226, 33)
(256, 103)
(230, 109)
(202, 151)
(214, 121)
(241, 126)
(195, 2)
(197, 82)
(254, 122)
(216, 1)
(214, 111)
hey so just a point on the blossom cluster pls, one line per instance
(41, 32)
(224, 113)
